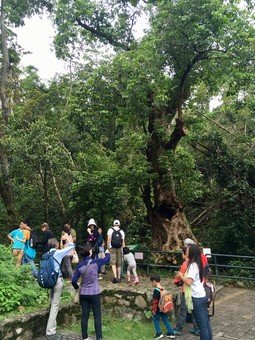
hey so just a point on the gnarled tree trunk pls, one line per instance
(165, 211)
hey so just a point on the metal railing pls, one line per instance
(236, 267)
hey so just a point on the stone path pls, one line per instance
(234, 318)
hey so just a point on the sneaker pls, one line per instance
(177, 331)
(115, 280)
(170, 335)
(158, 336)
(195, 331)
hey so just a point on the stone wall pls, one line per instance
(130, 303)
(32, 325)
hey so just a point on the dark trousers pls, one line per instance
(66, 267)
(86, 302)
(183, 315)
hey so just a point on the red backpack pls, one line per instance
(165, 303)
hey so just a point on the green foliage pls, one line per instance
(110, 21)
(17, 286)
(113, 327)
(18, 10)
(239, 269)
(220, 140)
(79, 146)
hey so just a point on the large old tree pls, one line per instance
(188, 42)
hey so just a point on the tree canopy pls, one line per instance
(130, 133)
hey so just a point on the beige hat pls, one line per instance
(188, 241)
(92, 222)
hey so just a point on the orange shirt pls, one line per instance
(26, 233)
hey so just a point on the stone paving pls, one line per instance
(234, 318)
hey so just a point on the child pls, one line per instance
(157, 314)
(130, 259)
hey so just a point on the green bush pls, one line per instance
(17, 285)
(242, 268)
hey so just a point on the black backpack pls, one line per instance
(117, 240)
(33, 241)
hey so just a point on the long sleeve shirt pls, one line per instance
(88, 270)
(59, 255)
(155, 300)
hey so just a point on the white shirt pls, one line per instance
(197, 287)
(109, 234)
(130, 259)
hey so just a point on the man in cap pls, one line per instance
(115, 243)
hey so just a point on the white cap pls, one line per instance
(116, 222)
(188, 241)
(92, 222)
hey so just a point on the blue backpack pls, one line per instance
(47, 276)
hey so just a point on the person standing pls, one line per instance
(17, 239)
(66, 266)
(88, 269)
(29, 252)
(115, 243)
(72, 231)
(93, 236)
(182, 317)
(47, 234)
(56, 291)
(194, 279)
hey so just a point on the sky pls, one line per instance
(36, 36)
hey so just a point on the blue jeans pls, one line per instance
(27, 260)
(202, 318)
(86, 302)
(156, 319)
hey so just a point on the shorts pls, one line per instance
(116, 256)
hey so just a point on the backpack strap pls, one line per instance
(50, 252)
(159, 290)
(213, 300)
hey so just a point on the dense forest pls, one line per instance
(132, 131)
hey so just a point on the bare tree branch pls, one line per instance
(102, 35)
(218, 124)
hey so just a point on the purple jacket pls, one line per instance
(88, 271)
